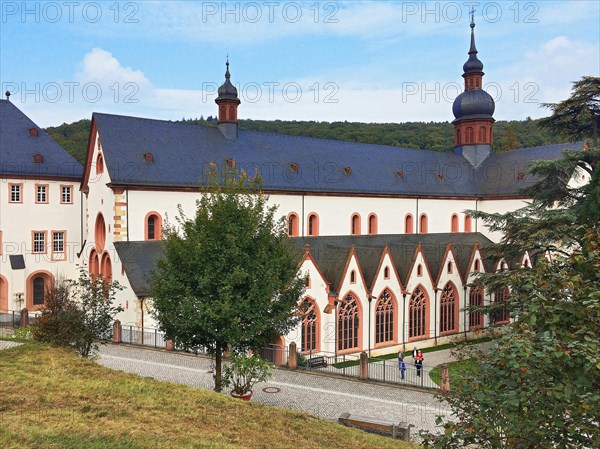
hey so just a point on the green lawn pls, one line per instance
(394, 355)
(455, 369)
(51, 398)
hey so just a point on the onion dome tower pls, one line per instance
(473, 110)
(228, 102)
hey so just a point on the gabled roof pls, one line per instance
(18, 148)
(331, 252)
(183, 153)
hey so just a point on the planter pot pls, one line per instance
(243, 397)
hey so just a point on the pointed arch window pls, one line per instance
(384, 318)
(475, 300)
(372, 224)
(309, 325)
(353, 277)
(386, 273)
(313, 224)
(348, 324)
(477, 266)
(419, 270)
(501, 314)
(468, 223)
(355, 224)
(423, 224)
(417, 310)
(454, 223)
(99, 164)
(449, 309)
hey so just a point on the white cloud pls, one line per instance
(102, 67)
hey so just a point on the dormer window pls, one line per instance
(347, 171)
(149, 158)
(230, 162)
(33, 132)
(38, 158)
(294, 167)
(400, 174)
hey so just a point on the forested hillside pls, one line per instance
(508, 135)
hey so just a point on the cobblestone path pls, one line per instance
(320, 396)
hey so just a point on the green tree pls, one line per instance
(78, 314)
(228, 277)
(579, 115)
(539, 385)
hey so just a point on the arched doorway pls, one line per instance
(3, 294)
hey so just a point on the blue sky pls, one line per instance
(356, 61)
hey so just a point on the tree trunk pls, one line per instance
(218, 363)
(595, 123)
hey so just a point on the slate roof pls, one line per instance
(331, 254)
(17, 149)
(183, 153)
(139, 260)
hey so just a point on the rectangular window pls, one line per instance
(66, 194)
(58, 242)
(39, 242)
(41, 193)
(15, 193)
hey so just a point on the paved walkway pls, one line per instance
(8, 344)
(321, 396)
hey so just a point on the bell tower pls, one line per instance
(473, 111)
(228, 103)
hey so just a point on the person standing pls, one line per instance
(414, 354)
(419, 365)
(402, 369)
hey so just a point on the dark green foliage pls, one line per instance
(420, 135)
(539, 385)
(78, 314)
(72, 137)
(228, 276)
(577, 117)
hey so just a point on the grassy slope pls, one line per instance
(50, 398)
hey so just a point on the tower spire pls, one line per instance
(228, 102)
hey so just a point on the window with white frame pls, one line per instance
(66, 194)
(39, 242)
(41, 193)
(58, 242)
(15, 193)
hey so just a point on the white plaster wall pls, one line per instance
(18, 220)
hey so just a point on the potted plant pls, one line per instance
(243, 373)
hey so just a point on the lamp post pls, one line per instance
(435, 292)
(370, 297)
(404, 320)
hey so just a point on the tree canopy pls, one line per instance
(539, 385)
(577, 117)
(228, 278)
